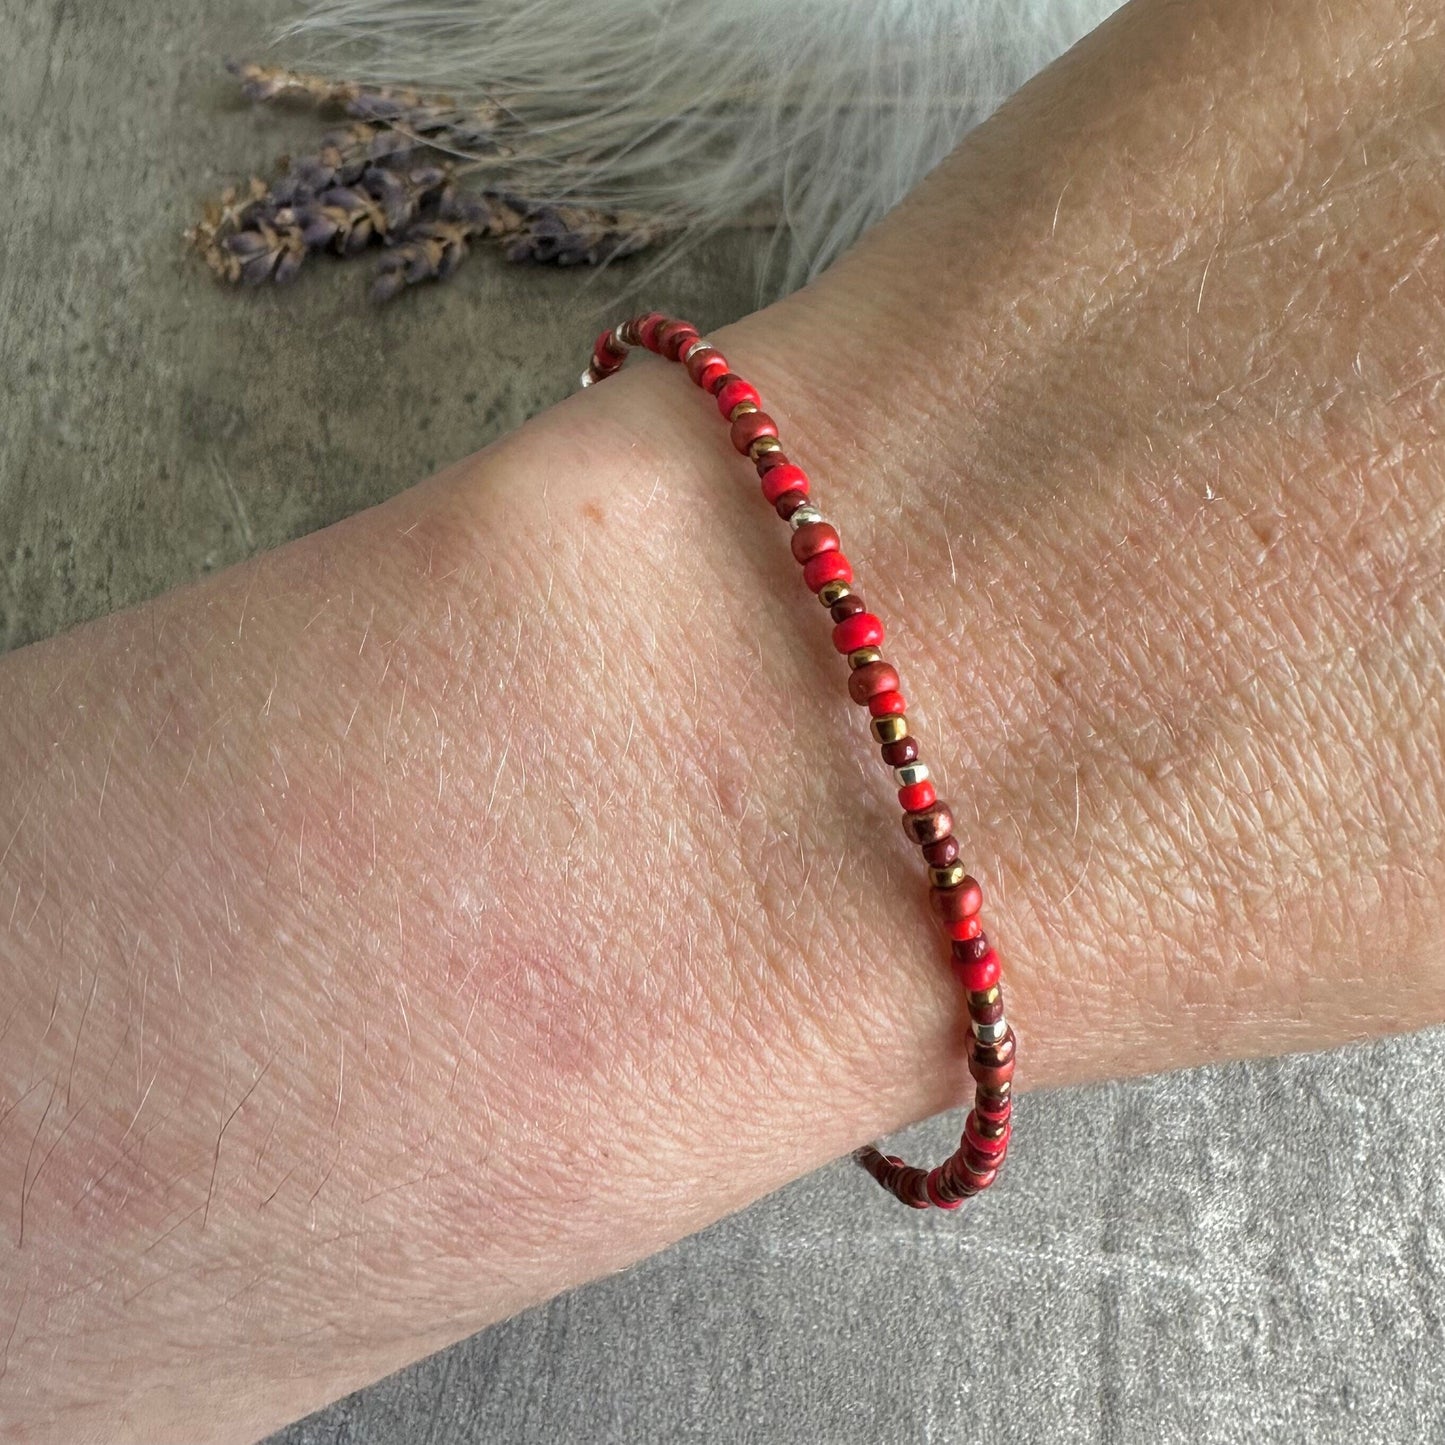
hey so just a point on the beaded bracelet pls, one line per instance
(955, 897)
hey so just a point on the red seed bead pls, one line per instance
(872, 677)
(674, 338)
(964, 928)
(942, 852)
(783, 478)
(732, 391)
(750, 426)
(979, 974)
(648, 328)
(826, 567)
(963, 900)
(917, 796)
(789, 503)
(888, 704)
(812, 539)
(863, 630)
(929, 826)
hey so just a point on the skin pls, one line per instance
(487, 891)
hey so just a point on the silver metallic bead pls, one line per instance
(906, 774)
(989, 1033)
(587, 378)
(701, 344)
(805, 514)
(619, 335)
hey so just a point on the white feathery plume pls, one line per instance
(812, 116)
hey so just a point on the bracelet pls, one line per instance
(956, 898)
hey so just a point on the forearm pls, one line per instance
(471, 898)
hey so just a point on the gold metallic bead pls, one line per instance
(831, 592)
(741, 409)
(863, 656)
(763, 445)
(889, 729)
(949, 877)
(988, 997)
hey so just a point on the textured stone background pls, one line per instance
(1237, 1254)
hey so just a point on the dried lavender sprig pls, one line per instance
(436, 120)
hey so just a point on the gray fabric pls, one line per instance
(1249, 1253)
(1244, 1253)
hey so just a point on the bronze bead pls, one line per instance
(889, 729)
(949, 876)
(862, 656)
(933, 822)
(830, 592)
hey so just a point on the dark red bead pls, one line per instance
(814, 538)
(905, 750)
(961, 901)
(789, 503)
(674, 338)
(992, 1113)
(872, 677)
(986, 1013)
(750, 426)
(968, 949)
(942, 853)
(846, 607)
(703, 366)
(940, 1190)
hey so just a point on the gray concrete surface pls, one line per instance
(1249, 1253)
